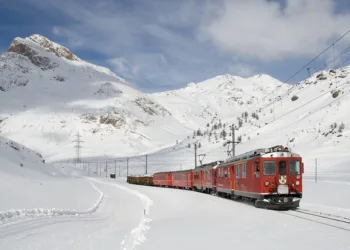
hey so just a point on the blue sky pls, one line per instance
(165, 44)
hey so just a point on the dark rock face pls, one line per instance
(42, 62)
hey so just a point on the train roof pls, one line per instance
(141, 175)
(213, 165)
(261, 152)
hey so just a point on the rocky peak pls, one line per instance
(20, 46)
(55, 48)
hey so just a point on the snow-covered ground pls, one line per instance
(138, 217)
(73, 206)
(30, 187)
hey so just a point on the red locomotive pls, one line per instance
(272, 177)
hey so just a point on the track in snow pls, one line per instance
(331, 220)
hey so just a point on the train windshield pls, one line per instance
(282, 168)
(294, 167)
(269, 168)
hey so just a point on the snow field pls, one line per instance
(113, 225)
(190, 220)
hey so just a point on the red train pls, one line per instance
(272, 177)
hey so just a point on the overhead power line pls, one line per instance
(291, 77)
(320, 54)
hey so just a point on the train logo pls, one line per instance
(282, 179)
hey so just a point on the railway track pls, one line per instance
(327, 219)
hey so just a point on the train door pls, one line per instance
(256, 171)
(282, 172)
(213, 176)
(232, 177)
(201, 183)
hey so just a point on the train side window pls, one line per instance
(294, 167)
(244, 171)
(256, 165)
(225, 172)
(237, 171)
(269, 168)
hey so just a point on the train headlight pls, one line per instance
(297, 182)
(267, 183)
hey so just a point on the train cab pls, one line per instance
(270, 176)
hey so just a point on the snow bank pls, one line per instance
(29, 187)
(21, 214)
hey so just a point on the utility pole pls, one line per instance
(146, 164)
(316, 170)
(233, 140)
(308, 71)
(115, 168)
(195, 154)
(273, 103)
(78, 147)
(106, 170)
(333, 58)
(127, 167)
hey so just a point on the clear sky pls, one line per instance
(165, 44)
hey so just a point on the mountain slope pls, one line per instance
(222, 97)
(310, 117)
(27, 182)
(47, 95)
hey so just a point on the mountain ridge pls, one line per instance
(44, 106)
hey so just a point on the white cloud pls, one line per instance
(242, 70)
(171, 43)
(147, 68)
(73, 39)
(122, 66)
(263, 30)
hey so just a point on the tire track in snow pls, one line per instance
(136, 235)
(16, 215)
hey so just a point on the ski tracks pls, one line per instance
(137, 235)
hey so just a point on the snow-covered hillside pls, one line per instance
(47, 95)
(311, 118)
(27, 184)
(222, 97)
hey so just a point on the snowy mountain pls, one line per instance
(310, 117)
(222, 97)
(48, 95)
